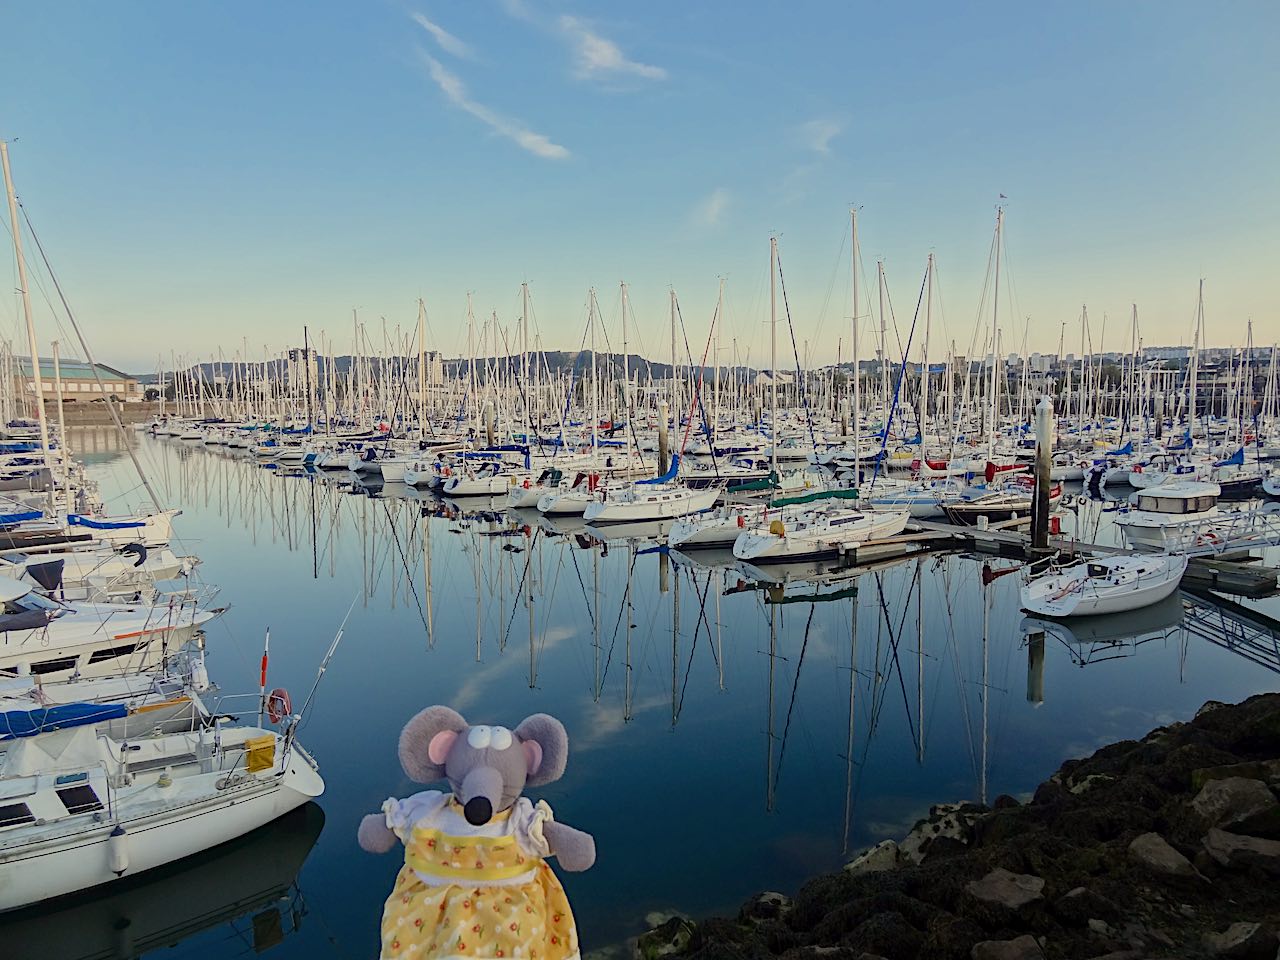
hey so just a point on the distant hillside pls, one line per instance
(554, 361)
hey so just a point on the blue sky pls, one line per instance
(202, 173)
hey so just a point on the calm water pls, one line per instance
(724, 744)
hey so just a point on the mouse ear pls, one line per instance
(425, 742)
(546, 748)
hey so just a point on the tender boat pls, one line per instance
(1104, 585)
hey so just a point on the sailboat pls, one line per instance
(84, 809)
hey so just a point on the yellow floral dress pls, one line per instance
(479, 893)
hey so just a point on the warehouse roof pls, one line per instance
(71, 369)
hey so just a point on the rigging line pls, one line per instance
(524, 396)
(894, 638)
(897, 387)
(836, 270)
(515, 594)
(702, 613)
(630, 607)
(795, 687)
(404, 562)
(93, 365)
(698, 393)
(688, 669)
(800, 380)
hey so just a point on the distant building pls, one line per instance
(78, 380)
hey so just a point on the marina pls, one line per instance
(545, 481)
(834, 721)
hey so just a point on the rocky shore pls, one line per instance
(1164, 847)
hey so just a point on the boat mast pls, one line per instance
(924, 365)
(36, 380)
(675, 380)
(422, 369)
(773, 356)
(715, 381)
(57, 392)
(1194, 364)
(857, 373)
(626, 376)
(995, 311)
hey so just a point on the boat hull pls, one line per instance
(35, 872)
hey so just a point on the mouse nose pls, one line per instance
(478, 811)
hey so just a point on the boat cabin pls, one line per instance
(1178, 498)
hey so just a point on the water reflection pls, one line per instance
(734, 728)
(242, 897)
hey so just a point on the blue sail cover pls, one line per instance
(1235, 460)
(666, 477)
(76, 520)
(27, 723)
(1184, 445)
(6, 519)
(1123, 451)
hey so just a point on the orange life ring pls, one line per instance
(279, 705)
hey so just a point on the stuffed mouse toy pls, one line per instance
(475, 882)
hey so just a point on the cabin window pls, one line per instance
(80, 799)
(111, 653)
(13, 814)
(53, 666)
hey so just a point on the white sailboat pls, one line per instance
(79, 809)
(1104, 585)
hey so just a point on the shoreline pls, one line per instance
(1167, 846)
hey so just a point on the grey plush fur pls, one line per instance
(434, 745)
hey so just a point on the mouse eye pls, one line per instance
(479, 737)
(501, 738)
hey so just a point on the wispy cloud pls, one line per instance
(817, 135)
(712, 207)
(598, 56)
(446, 40)
(453, 88)
(518, 9)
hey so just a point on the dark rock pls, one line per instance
(769, 905)
(1239, 804)
(666, 939)
(887, 933)
(1004, 802)
(1011, 890)
(1022, 948)
(1208, 707)
(1239, 852)
(1050, 794)
(1265, 770)
(1243, 940)
(1076, 907)
(1153, 852)
(950, 937)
